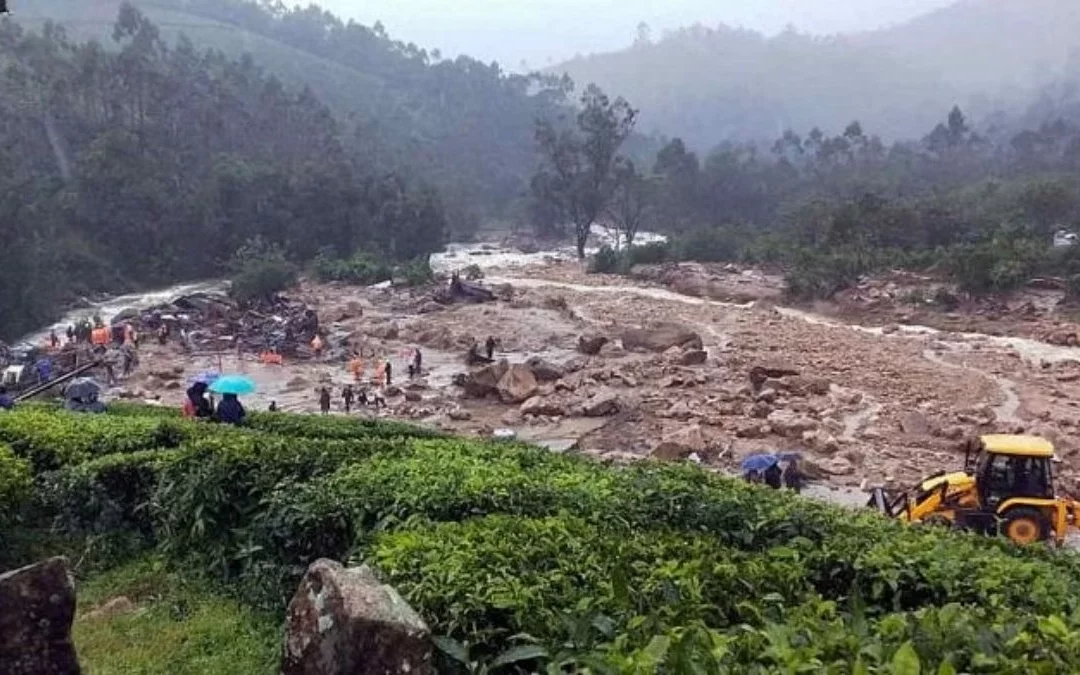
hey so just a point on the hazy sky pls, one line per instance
(543, 30)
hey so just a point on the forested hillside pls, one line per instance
(463, 125)
(146, 164)
(709, 85)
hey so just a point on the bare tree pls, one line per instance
(632, 204)
(579, 172)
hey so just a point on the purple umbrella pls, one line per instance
(206, 377)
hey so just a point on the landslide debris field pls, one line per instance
(624, 368)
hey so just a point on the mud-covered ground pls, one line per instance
(866, 400)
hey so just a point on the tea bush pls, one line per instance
(521, 558)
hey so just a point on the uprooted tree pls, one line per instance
(578, 178)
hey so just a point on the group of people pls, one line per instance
(785, 473)
(199, 406)
(349, 396)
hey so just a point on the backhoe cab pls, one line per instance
(1006, 487)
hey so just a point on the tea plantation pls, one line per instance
(520, 560)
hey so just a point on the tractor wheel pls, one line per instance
(1025, 525)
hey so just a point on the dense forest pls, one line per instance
(710, 84)
(148, 164)
(461, 125)
(980, 208)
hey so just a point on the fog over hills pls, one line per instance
(710, 84)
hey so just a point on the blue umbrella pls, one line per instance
(206, 377)
(233, 384)
(759, 462)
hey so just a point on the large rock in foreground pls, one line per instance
(485, 381)
(660, 338)
(344, 622)
(37, 606)
(517, 385)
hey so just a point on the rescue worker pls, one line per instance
(388, 372)
(489, 347)
(317, 346)
(418, 360)
(273, 406)
(347, 395)
(70, 333)
(324, 401)
(54, 341)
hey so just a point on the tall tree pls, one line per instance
(579, 173)
(632, 204)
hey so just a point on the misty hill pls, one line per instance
(714, 84)
(463, 125)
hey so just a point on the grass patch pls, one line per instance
(178, 627)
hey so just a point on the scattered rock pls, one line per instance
(680, 410)
(544, 371)
(413, 397)
(392, 391)
(591, 345)
(681, 444)
(806, 385)
(460, 415)
(694, 357)
(767, 396)
(602, 404)
(485, 381)
(821, 441)
(344, 622)
(915, 424)
(660, 338)
(517, 384)
(752, 430)
(762, 372)
(838, 466)
(541, 405)
(790, 424)
(37, 606)
(384, 331)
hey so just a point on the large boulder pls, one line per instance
(660, 338)
(790, 424)
(680, 444)
(544, 371)
(543, 406)
(37, 606)
(765, 371)
(602, 404)
(344, 622)
(485, 381)
(591, 344)
(517, 384)
(693, 357)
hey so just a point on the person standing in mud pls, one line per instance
(489, 347)
(417, 361)
(347, 396)
(389, 373)
(324, 400)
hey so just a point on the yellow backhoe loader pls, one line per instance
(1006, 487)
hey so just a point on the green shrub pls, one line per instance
(363, 269)
(648, 254)
(340, 428)
(416, 272)
(51, 440)
(259, 271)
(537, 571)
(15, 482)
(604, 261)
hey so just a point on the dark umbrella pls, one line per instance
(759, 462)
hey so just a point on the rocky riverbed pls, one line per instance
(701, 363)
